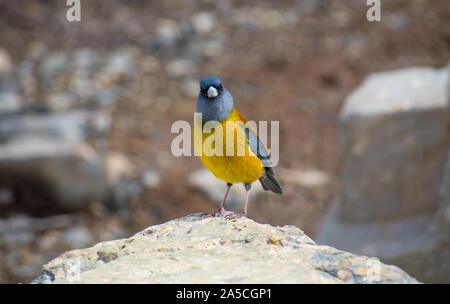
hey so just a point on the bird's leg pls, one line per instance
(247, 192)
(246, 201)
(222, 204)
(221, 209)
(233, 215)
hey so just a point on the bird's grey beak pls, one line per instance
(212, 92)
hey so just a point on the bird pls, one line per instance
(216, 106)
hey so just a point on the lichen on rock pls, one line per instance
(202, 249)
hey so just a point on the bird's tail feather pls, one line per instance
(269, 182)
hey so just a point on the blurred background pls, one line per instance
(86, 109)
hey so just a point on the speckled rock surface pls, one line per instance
(392, 201)
(202, 249)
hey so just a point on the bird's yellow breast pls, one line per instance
(225, 151)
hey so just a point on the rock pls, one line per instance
(37, 50)
(29, 84)
(6, 197)
(61, 101)
(118, 65)
(119, 180)
(77, 237)
(180, 67)
(167, 34)
(105, 97)
(53, 65)
(259, 18)
(305, 178)
(84, 58)
(6, 64)
(199, 249)
(82, 85)
(394, 138)
(10, 102)
(444, 197)
(25, 135)
(212, 47)
(203, 22)
(398, 92)
(120, 62)
(22, 223)
(51, 153)
(215, 188)
(394, 145)
(190, 88)
(309, 7)
(150, 179)
(398, 22)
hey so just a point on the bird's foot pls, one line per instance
(228, 215)
(234, 216)
(219, 212)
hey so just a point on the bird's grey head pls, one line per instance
(214, 101)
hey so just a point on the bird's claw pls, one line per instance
(228, 215)
(219, 212)
(234, 216)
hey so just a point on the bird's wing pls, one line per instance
(255, 144)
(267, 179)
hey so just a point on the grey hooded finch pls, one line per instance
(248, 160)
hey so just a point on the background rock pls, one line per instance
(394, 145)
(305, 178)
(215, 189)
(199, 249)
(50, 153)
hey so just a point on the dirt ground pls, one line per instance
(291, 61)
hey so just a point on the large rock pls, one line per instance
(394, 145)
(50, 152)
(202, 249)
(443, 216)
